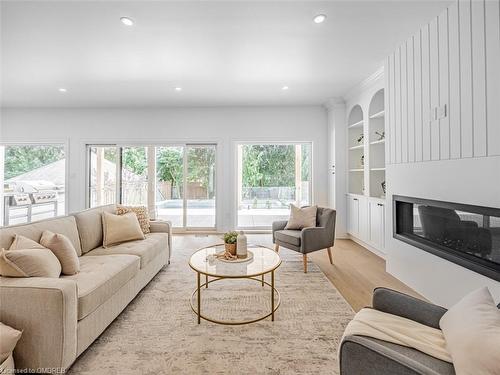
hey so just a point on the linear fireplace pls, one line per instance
(464, 234)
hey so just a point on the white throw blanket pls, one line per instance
(398, 330)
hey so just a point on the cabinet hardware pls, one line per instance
(380, 204)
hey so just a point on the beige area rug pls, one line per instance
(158, 332)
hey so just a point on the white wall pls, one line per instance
(224, 126)
(454, 61)
(337, 167)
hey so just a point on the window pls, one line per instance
(270, 178)
(177, 183)
(33, 182)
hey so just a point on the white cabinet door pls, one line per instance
(376, 224)
(353, 215)
(364, 224)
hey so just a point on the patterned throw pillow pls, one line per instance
(142, 215)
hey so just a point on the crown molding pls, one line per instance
(366, 83)
(334, 103)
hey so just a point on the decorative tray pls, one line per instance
(249, 257)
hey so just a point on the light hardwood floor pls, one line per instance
(355, 272)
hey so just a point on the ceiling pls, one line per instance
(231, 53)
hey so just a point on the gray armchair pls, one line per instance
(369, 356)
(308, 240)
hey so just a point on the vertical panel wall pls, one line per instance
(492, 27)
(417, 59)
(444, 87)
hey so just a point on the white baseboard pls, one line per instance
(374, 250)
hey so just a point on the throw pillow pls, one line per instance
(29, 263)
(63, 249)
(301, 218)
(24, 243)
(8, 340)
(120, 228)
(471, 329)
(141, 213)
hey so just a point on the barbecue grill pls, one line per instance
(28, 200)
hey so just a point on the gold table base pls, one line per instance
(197, 292)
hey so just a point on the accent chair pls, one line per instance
(308, 240)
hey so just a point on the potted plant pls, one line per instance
(230, 242)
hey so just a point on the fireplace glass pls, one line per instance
(468, 235)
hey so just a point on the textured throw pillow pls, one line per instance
(120, 228)
(63, 249)
(471, 329)
(8, 340)
(29, 263)
(24, 243)
(302, 217)
(142, 215)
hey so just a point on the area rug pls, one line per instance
(158, 332)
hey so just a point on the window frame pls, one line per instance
(263, 142)
(64, 142)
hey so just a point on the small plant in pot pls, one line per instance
(230, 242)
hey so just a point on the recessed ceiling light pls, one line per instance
(320, 18)
(62, 89)
(284, 88)
(127, 21)
(178, 89)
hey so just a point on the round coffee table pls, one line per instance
(264, 261)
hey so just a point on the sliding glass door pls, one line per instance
(170, 184)
(176, 183)
(200, 186)
(270, 178)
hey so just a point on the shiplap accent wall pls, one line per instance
(455, 61)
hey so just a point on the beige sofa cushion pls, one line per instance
(120, 228)
(147, 250)
(24, 243)
(7, 366)
(301, 217)
(8, 340)
(63, 249)
(100, 277)
(142, 215)
(471, 329)
(29, 263)
(89, 223)
(65, 225)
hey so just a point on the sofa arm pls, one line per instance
(163, 226)
(396, 303)
(278, 225)
(315, 238)
(45, 310)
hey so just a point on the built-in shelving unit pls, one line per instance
(366, 143)
(376, 135)
(356, 124)
(378, 114)
(356, 147)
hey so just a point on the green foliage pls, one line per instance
(135, 159)
(22, 159)
(273, 165)
(169, 165)
(201, 164)
(230, 237)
